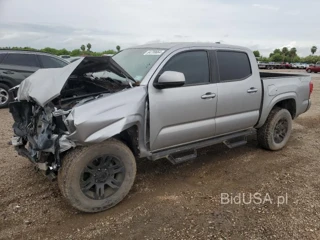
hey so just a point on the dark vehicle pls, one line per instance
(314, 68)
(286, 65)
(16, 65)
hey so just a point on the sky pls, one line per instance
(259, 25)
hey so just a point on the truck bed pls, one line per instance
(271, 75)
(278, 86)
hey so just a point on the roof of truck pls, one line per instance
(177, 45)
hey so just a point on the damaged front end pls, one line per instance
(40, 135)
(47, 98)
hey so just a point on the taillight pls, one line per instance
(310, 88)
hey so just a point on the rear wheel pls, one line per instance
(4, 95)
(97, 177)
(309, 71)
(275, 132)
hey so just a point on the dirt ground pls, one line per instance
(183, 201)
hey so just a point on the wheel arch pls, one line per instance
(7, 81)
(287, 101)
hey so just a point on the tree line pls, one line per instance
(84, 50)
(288, 55)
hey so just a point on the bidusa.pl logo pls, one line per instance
(253, 198)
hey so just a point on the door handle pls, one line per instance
(8, 72)
(208, 95)
(252, 90)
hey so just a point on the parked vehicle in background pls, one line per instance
(305, 65)
(294, 65)
(286, 65)
(300, 65)
(154, 101)
(72, 59)
(314, 68)
(16, 65)
(270, 65)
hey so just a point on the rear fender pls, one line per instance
(268, 105)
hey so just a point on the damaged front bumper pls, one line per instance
(40, 135)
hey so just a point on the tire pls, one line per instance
(309, 71)
(82, 161)
(268, 136)
(4, 95)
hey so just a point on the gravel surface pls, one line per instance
(184, 201)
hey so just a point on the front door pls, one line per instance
(184, 114)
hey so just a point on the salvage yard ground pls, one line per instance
(183, 201)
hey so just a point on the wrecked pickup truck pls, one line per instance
(87, 123)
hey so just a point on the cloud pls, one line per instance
(266, 7)
(106, 24)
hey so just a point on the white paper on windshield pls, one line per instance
(154, 52)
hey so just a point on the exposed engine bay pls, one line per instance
(42, 128)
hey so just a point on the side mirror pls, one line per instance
(170, 79)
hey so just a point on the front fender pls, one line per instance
(104, 118)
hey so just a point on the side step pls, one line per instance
(181, 157)
(230, 139)
(236, 142)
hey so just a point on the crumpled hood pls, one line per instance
(46, 84)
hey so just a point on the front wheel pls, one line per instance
(275, 132)
(309, 70)
(97, 177)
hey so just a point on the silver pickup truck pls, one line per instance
(87, 123)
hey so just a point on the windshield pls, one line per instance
(137, 62)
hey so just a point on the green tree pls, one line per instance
(292, 53)
(109, 52)
(277, 50)
(63, 52)
(118, 48)
(285, 51)
(89, 47)
(83, 48)
(313, 49)
(276, 57)
(50, 50)
(256, 53)
(75, 52)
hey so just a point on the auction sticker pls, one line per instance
(154, 52)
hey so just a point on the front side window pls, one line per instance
(20, 59)
(194, 65)
(233, 66)
(51, 62)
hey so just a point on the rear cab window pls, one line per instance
(21, 59)
(233, 66)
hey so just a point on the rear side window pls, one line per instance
(194, 65)
(233, 66)
(51, 62)
(2, 55)
(28, 60)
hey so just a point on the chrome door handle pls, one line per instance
(252, 90)
(208, 95)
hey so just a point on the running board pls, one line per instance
(236, 142)
(181, 157)
(205, 143)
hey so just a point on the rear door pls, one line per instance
(183, 114)
(239, 90)
(19, 65)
